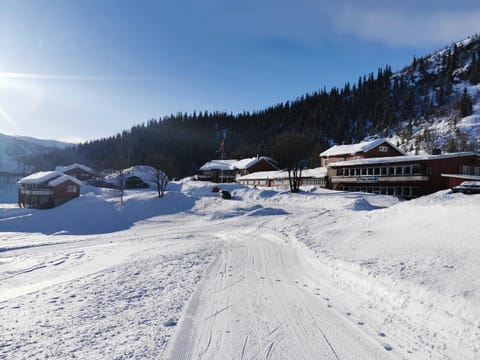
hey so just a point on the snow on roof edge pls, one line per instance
(396, 159)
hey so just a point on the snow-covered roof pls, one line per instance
(316, 173)
(398, 159)
(249, 162)
(54, 178)
(282, 174)
(61, 179)
(235, 164)
(40, 177)
(464, 177)
(364, 146)
(74, 166)
(265, 175)
(219, 165)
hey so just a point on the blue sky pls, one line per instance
(79, 70)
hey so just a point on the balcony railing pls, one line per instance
(38, 192)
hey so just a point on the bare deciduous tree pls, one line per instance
(160, 179)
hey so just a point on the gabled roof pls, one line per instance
(61, 179)
(54, 178)
(364, 146)
(236, 164)
(40, 177)
(249, 162)
(74, 166)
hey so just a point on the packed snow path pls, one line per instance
(262, 299)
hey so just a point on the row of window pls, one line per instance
(381, 171)
(307, 181)
(471, 170)
(402, 191)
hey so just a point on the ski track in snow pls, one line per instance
(261, 300)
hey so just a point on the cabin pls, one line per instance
(312, 177)
(78, 171)
(223, 171)
(368, 149)
(255, 164)
(47, 189)
(403, 176)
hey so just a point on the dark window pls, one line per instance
(406, 170)
(370, 171)
(391, 170)
(376, 171)
(399, 170)
(384, 171)
(415, 169)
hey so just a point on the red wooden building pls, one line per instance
(403, 176)
(47, 189)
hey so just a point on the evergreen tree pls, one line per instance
(465, 104)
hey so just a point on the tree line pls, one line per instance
(378, 103)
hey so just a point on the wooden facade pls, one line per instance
(47, 190)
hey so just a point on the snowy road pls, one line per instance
(262, 299)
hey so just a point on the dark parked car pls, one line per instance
(225, 194)
(468, 187)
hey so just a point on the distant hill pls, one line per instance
(15, 149)
(433, 103)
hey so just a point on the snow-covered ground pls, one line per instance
(268, 274)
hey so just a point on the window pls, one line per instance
(364, 171)
(357, 172)
(384, 171)
(383, 149)
(415, 169)
(370, 171)
(376, 171)
(71, 188)
(399, 170)
(406, 170)
(391, 170)
(340, 172)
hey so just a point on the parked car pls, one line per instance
(224, 194)
(468, 187)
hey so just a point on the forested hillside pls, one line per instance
(404, 105)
